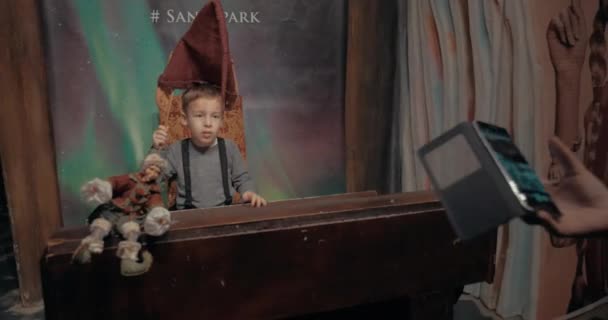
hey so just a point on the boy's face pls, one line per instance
(204, 118)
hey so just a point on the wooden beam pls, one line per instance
(26, 144)
(372, 25)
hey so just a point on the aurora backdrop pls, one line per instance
(104, 58)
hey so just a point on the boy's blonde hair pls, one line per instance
(201, 90)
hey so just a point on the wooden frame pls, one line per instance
(26, 144)
(369, 91)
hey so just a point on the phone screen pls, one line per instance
(516, 166)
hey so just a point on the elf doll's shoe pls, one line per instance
(89, 245)
(128, 250)
(130, 268)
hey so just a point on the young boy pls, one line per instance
(202, 179)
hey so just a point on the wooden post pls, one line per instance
(370, 71)
(26, 144)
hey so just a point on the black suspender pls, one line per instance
(186, 162)
(224, 168)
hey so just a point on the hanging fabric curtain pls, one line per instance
(471, 60)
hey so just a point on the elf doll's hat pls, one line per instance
(203, 56)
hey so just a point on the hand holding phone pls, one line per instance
(483, 180)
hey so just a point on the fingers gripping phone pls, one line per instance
(482, 179)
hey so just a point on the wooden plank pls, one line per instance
(26, 145)
(275, 269)
(67, 240)
(369, 95)
(238, 213)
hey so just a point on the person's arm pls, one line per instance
(581, 198)
(566, 113)
(567, 42)
(577, 220)
(160, 146)
(241, 180)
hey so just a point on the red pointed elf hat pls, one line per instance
(203, 56)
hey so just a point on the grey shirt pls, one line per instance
(206, 174)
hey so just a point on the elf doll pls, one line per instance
(126, 203)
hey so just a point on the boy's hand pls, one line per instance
(255, 199)
(160, 137)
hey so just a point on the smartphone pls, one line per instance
(482, 179)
